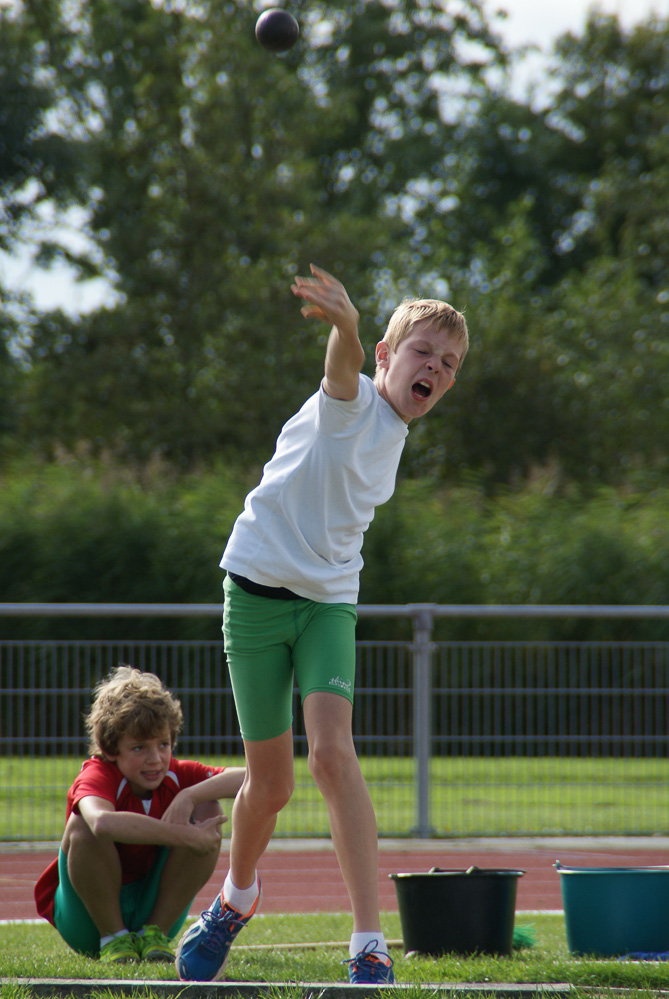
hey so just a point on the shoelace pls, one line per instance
(373, 968)
(373, 965)
(153, 937)
(220, 930)
(120, 944)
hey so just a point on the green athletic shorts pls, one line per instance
(272, 644)
(73, 922)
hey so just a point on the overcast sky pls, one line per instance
(540, 21)
(528, 21)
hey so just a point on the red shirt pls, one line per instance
(103, 779)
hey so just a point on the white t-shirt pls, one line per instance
(302, 527)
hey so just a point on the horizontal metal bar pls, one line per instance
(518, 610)
(364, 610)
(110, 610)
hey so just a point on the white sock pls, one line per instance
(361, 940)
(241, 899)
(111, 936)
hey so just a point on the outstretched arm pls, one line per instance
(328, 301)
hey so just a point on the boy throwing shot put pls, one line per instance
(293, 562)
(142, 835)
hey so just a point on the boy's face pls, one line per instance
(413, 378)
(144, 762)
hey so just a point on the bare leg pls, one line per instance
(94, 867)
(267, 788)
(335, 768)
(183, 875)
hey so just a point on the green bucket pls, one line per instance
(616, 911)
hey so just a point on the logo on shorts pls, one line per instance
(337, 681)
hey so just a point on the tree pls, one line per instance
(214, 172)
(613, 106)
(39, 162)
(566, 280)
(40, 177)
(381, 149)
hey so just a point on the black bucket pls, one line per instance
(464, 912)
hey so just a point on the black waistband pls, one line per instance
(258, 590)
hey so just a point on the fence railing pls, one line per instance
(455, 738)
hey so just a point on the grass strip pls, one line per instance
(287, 948)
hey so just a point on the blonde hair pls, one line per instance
(131, 701)
(440, 315)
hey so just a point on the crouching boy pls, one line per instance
(142, 833)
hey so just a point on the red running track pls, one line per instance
(304, 876)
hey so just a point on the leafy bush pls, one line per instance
(82, 531)
(92, 532)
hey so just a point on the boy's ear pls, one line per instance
(109, 753)
(382, 354)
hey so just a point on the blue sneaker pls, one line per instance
(369, 968)
(203, 949)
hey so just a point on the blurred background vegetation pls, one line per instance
(388, 147)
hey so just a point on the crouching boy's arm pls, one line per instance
(225, 785)
(128, 827)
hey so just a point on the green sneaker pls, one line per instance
(120, 950)
(153, 945)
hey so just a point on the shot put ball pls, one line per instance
(277, 30)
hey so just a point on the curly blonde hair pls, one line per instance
(129, 700)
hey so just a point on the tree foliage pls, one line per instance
(214, 173)
(383, 147)
(568, 279)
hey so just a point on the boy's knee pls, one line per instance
(77, 833)
(270, 796)
(280, 795)
(328, 763)
(206, 810)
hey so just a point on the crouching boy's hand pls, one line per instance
(184, 809)
(205, 836)
(200, 821)
(201, 801)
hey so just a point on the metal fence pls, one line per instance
(455, 738)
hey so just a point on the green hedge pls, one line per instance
(77, 530)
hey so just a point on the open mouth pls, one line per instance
(422, 389)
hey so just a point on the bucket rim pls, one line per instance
(565, 869)
(463, 872)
